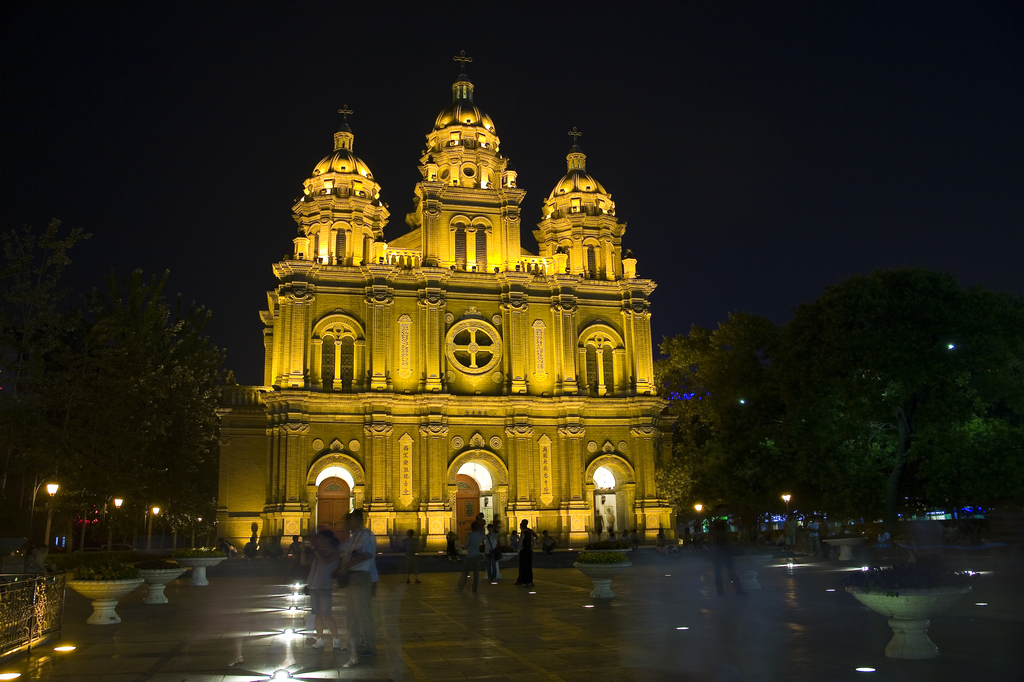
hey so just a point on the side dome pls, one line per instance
(343, 161)
(577, 180)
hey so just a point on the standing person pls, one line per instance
(490, 547)
(813, 538)
(473, 557)
(513, 541)
(599, 525)
(295, 551)
(547, 544)
(358, 562)
(791, 535)
(723, 555)
(452, 549)
(412, 564)
(324, 560)
(634, 540)
(526, 537)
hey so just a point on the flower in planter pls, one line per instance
(602, 558)
(157, 565)
(105, 570)
(197, 553)
(889, 581)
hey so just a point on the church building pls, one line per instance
(430, 376)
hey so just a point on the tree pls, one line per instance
(729, 414)
(884, 373)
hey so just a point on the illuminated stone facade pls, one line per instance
(448, 366)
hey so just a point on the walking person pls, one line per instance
(490, 551)
(324, 560)
(473, 557)
(791, 536)
(357, 564)
(723, 555)
(526, 538)
(412, 563)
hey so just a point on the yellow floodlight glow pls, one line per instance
(66, 647)
(52, 489)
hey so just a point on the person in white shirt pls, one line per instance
(324, 560)
(359, 563)
(471, 561)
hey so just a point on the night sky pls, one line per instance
(758, 153)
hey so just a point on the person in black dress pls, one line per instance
(526, 537)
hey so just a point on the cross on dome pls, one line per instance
(463, 59)
(575, 134)
(345, 111)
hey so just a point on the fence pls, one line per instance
(31, 609)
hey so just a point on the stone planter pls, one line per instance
(908, 617)
(199, 566)
(747, 565)
(156, 580)
(602, 575)
(104, 595)
(845, 546)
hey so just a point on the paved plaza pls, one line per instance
(795, 628)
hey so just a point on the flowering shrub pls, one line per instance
(889, 581)
(157, 565)
(602, 558)
(197, 553)
(609, 544)
(105, 570)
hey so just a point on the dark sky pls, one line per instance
(758, 152)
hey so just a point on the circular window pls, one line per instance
(444, 174)
(473, 346)
(468, 171)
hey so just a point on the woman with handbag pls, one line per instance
(324, 560)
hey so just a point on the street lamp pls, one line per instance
(32, 512)
(786, 498)
(52, 489)
(110, 530)
(149, 530)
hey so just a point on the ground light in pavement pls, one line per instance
(281, 675)
(831, 589)
(9, 676)
(865, 670)
(588, 606)
(683, 628)
(981, 603)
(65, 647)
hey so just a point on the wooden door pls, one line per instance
(332, 504)
(467, 505)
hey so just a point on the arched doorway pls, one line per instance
(467, 505)
(333, 502)
(606, 512)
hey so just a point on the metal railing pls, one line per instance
(31, 609)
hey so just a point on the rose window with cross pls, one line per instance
(473, 346)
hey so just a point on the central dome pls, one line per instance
(463, 113)
(343, 161)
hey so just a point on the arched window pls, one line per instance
(604, 479)
(592, 382)
(460, 245)
(481, 250)
(591, 263)
(316, 247)
(327, 362)
(609, 370)
(366, 250)
(340, 247)
(347, 363)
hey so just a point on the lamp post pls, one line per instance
(149, 530)
(700, 521)
(32, 511)
(110, 530)
(786, 498)
(52, 489)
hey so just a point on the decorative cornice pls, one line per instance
(377, 430)
(642, 431)
(434, 430)
(572, 431)
(519, 431)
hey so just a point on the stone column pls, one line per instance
(643, 352)
(517, 342)
(521, 469)
(432, 304)
(571, 442)
(381, 512)
(435, 436)
(378, 304)
(565, 314)
(300, 301)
